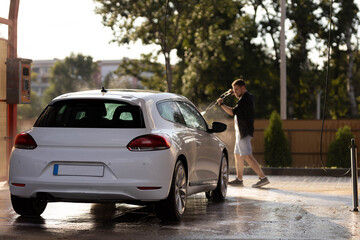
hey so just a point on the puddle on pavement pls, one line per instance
(246, 213)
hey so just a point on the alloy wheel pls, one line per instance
(180, 189)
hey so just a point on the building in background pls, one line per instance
(42, 69)
(106, 68)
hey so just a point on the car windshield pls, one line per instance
(91, 113)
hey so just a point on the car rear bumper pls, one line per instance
(86, 192)
(115, 175)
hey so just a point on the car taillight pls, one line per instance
(25, 141)
(150, 142)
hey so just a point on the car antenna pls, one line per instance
(103, 90)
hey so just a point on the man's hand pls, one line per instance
(230, 92)
(227, 109)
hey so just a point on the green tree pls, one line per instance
(348, 24)
(303, 84)
(208, 46)
(219, 41)
(344, 51)
(269, 26)
(338, 100)
(339, 154)
(32, 110)
(276, 146)
(145, 20)
(72, 74)
(147, 70)
(219, 47)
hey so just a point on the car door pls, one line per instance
(182, 135)
(207, 151)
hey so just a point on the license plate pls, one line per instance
(78, 170)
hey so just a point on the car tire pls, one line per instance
(220, 191)
(173, 207)
(28, 206)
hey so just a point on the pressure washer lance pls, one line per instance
(223, 96)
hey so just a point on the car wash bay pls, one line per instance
(290, 207)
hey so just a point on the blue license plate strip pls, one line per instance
(78, 170)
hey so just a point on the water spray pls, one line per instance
(222, 96)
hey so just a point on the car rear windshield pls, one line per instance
(88, 113)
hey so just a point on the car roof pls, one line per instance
(120, 94)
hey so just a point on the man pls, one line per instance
(243, 114)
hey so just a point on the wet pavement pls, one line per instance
(288, 208)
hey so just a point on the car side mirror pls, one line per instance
(217, 127)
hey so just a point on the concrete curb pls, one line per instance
(297, 171)
(275, 171)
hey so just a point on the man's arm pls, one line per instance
(227, 109)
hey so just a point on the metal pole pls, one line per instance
(318, 105)
(354, 175)
(283, 97)
(12, 53)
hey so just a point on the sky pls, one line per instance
(49, 29)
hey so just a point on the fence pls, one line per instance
(303, 137)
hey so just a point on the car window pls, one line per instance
(192, 117)
(91, 114)
(170, 111)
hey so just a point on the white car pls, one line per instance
(118, 146)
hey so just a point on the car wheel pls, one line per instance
(173, 207)
(221, 189)
(28, 206)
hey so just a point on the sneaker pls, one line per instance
(237, 182)
(261, 182)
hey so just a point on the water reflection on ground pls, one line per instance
(272, 213)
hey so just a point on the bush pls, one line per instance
(277, 151)
(339, 153)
